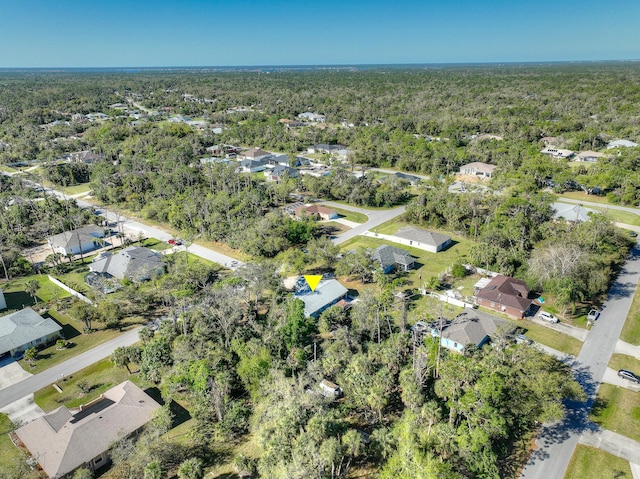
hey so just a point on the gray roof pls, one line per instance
(390, 255)
(577, 213)
(62, 441)
(69, 239)
(23, 327)
(327, 292)
(472, 327)
(136, 263)
(622, 143)
(248, 163)
(422, 236)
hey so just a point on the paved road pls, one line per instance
(38, 381)
(557, 441)
(376, 218)
(628, 209)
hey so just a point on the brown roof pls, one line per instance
(507, 292)
(61, 441)
(314, 209)
(255, 153)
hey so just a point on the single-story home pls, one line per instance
(253, 166)
(590, 156)
(478, 168)
(329, 389)
(320, 211)
(327, 293)
(255, 154)
(279, 172)
(390, 258)
(85, 156)
(135, 263)
(621, 144)
(81, 240)
(573, 213)
(557, 152)
(412, 179)
(283, 160)
(63, 440)
(505, 294)
(310, 116)
(325, 148)
(469, 327)
(421, 239)
(24, 329)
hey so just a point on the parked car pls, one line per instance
(174, 242)
(522, 339)
(548, 317)
(593, 315)
(628, 375)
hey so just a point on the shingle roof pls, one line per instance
(327, 291)
(577, 213)
(388, 255)
(255, 153)
(136, 263)
(82, 235)
(62, 441)
(23, 327)
(472, 326)
(422, 236)
(507, 292)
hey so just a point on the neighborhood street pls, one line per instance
(556, 442)
(635, 211)
(33, 383)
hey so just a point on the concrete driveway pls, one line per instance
(12, 373)
(611, 377)
(23, 410)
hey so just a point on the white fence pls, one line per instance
(71, 290)
(448, 299)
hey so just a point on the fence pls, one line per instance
(71, 290)
(450, 300)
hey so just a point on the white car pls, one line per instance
(548, 317)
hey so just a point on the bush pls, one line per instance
(458, 270)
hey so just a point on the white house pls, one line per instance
(417, 238)
(78, 241)
(589, 155)
(557, 152)
(621, 144)
(478, 168)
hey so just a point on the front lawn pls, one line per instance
(631, 330)
(547, 336)
(622, 361)
(352, 215)
(617, 409)
(13, 462)
(593, 463)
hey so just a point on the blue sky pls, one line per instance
(112, 33)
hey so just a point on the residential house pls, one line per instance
(572, 213)
(315, 117)
(329, 389)
(253, 166)
(412, 179)
(85, 156)
(283, 160)
(325, 148)
(24, 329)
(97, 116)
(78, 241)
(621, 144)
(390, 258)
(557, 152)
(327, 293)
(213, 160)
(591, 156)
(279, 172)
(255, 154)
(419, 238)
(135, 263)
(319, 211)
(3, 301)
(478, 168)
(471, 327)
(65, 440)
(507, 295)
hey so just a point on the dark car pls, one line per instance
(628, 375)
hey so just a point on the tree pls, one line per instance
(31, 354)
(190, 469)
(156, 356)
(82, 473)
(121, 357)
(32, 286)
(154, 470)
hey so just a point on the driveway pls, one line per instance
(12, 373)
(623, 347)
(611, 377)
(578, 333)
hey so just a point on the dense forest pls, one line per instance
(236, 348)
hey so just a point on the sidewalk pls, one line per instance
(628, 349)
(613, 443)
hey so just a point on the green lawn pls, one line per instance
(582, 196)
(631, 330)
(622, 361)
(18, 298)
(618, 215)
(12, 460)
(352, 215)
(75, 189)
(596, 464)
(617, 409)
(156, 244)
(549, 337)
(99, 377)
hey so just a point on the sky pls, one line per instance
(154, 33)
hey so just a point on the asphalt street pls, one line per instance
(556, 442)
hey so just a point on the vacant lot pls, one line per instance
(596, 464)
(617, 409)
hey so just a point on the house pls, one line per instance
(24, 329)
(135, 263)
(280, 172)
(3, 301)
(78, 241)
(621, 144)
(327, 293)
(589, 155)
(319, 211)
(309, 116)
(390, 258)
(255, 154)
(280, 160)
(469, 327)
(507, 295)
(421, 239)
(213, 160)
(412, 179)
(572, 213)
(557, 152)
(85, 156)
(325, 148)
(253, 166)
(65, 440)
(479, 169)
(329, 389)
(97, 116)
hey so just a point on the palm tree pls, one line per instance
(32, 286)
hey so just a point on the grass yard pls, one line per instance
(99, 377)
(618, 215)
(18, 298)
(426, 264)
(631, 330)
(596, 464)
(75, 189)
(352, 215)
(622, 361)
(155, 244)
(582, 196)
(549, 337)
(12, 460)
(617, 409)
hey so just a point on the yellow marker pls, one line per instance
(313, 280)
